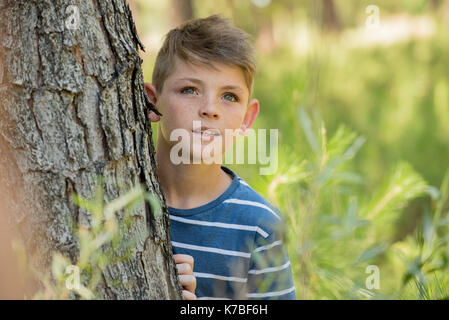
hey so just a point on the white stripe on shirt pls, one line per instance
(270, 294)
(221, 225)
(272, 269)
(210, 249)
(251, 203)
(268, 246)
(215, 276)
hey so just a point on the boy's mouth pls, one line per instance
(207, 133)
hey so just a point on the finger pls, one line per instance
(154, 117)
(188, 295)
(188, 282)
(184, 258)
(184, 268)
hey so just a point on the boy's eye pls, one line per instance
(231, 97)
(188, 90)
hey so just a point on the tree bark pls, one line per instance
(72, 107)
(328, 17)
(182, 11)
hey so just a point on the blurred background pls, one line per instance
(359, 91)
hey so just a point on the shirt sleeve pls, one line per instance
(269, 274)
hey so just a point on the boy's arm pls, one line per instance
(270, 275)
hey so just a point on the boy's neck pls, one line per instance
(187, 186)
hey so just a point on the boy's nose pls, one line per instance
(209, 110)
(210, 114)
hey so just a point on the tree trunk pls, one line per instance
(72, 107)
(329, 17)
(181, 11)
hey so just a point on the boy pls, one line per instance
(204, 74)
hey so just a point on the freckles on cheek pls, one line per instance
(175, 104)
(177, 114)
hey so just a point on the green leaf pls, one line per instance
(307, 127)
(372, 252)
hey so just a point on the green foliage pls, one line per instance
(334, 235)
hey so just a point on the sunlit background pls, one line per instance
(359, 91)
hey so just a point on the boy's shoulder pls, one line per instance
(247, 206)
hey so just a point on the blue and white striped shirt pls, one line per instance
(236, 243)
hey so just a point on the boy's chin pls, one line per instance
(206, 158)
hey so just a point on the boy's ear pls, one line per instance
(250, 116)
(151, 92)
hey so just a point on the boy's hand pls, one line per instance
(184, 264)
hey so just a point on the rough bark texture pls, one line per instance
(72, 107)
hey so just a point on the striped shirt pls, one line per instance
(236, 243)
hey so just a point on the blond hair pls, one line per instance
(204, 41)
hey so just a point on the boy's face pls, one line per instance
(217, 97)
